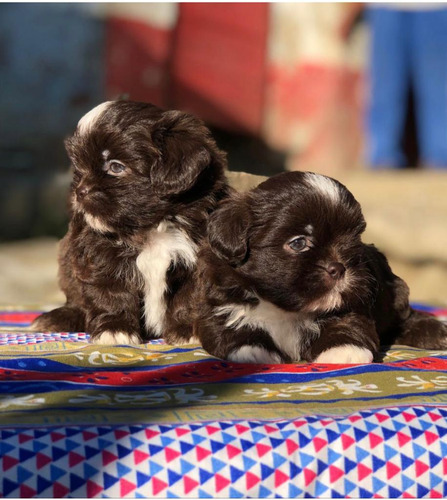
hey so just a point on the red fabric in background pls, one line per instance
(211, 64)
(137, 58)
(219, 63)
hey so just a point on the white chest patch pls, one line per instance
(165, 245)
(285, 328)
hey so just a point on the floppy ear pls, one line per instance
(228, 230)
(185, 147)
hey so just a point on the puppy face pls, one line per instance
(133, 160)
(296, 241)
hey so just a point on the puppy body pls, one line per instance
(145, 182)
(286, 277)
(167, 244)
(287, 329)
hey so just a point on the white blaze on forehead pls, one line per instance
(324, 185)
(86, 123)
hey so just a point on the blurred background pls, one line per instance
(354, 91)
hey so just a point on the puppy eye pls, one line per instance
(299, 244)
(114, 168)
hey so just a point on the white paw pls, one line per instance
(114, 338)
(345, 354)
(183, 341)
(192, 340)
(254, 354)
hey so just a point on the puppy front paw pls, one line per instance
(345, 354)
(114, 338)
(254, 354)
(62, 319)
(43, 324)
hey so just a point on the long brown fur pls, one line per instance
(333, 292)
(172, 180)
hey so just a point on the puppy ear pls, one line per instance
(186, 150)
(228, 230)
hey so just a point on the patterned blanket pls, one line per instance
(81, 420)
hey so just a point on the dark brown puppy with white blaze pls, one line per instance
(145, 181)
(285, 277)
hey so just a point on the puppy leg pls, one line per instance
(407, 326)
(254, 354)
(63, 319)
(177, 333)
(180, 323)
(349, 354)
(422, 331)
(115, 337)
(117, 321)
(110, 329)
(348, 339)
(241, 345)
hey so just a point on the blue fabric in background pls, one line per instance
(408, 47)
(52, 70)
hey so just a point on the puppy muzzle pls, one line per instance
(336, 270)
(82, 192)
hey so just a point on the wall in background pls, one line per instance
(51, 73)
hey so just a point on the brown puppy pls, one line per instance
(285, 277)
(145, 181)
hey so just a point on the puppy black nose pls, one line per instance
(81, 192)
(336, 270)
